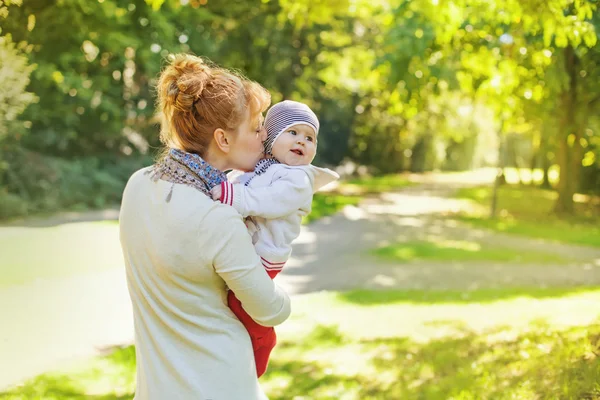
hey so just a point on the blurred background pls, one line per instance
(398, 85)
(458, 257)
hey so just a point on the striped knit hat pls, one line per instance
(285, 114)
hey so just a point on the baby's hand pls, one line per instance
(216, 192)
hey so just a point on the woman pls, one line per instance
(182, 250)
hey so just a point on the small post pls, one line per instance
(499, 170)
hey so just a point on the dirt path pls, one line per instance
(332, 254)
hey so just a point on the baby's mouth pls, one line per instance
(299, 152)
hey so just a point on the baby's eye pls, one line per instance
(293, 132)
(310, 139)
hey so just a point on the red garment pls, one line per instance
(263, 338)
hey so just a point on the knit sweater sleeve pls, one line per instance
(236, 261)
(285, 195)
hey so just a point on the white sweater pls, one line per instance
(180, 256)
(276, 201)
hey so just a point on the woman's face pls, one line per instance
(247, 145)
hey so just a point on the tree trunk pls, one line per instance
(549, 132)
(545, 170)
(569, 146)
(533, 164)
(511, 147)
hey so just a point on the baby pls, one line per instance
(274, 198)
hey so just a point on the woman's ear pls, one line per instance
(222, 139)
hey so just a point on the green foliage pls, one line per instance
(11, 206)
(14, 98)
(14, 75)
(96, 96)
(45, 184)
(409, 85)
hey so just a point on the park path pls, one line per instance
(332, 254)
(53, 322)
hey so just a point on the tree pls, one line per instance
(14, 97)
(554, 74)
(95, 82)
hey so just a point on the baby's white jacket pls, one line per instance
(275, 202)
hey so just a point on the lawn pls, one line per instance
(459, 250)
(527, 343)
(41, 253)
(527, 211)
(374, 185)
(350, 192)
(329, 203)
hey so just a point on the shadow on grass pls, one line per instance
(372, 298)
(111, 377)
(58, 388)
(498, 364)
(539, 364)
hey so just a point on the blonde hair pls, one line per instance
(196, 97)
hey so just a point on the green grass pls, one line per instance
(528, 211)
(349, 193)
(376, 184)
(40, 253)
(327, 203)
(455, 250)
(526, 343)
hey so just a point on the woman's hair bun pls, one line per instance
(183, 81)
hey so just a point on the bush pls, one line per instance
(14, 98)
(82, 183)
(36, 183)
(12, 206)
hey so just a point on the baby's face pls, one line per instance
(297, 145)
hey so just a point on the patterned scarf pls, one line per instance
(261, 167)
(189, 169)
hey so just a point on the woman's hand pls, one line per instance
(216, 192)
